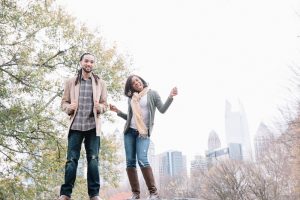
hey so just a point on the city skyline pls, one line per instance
(230, 132)
(236, 135)
(212, 51)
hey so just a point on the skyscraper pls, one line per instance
(213, 141)
(233, 152)
(121, 155)
(153, 161)
(172, 163)
(236, 129)
(198, 165)
(263, 139)
(151, 155)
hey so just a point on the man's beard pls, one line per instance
(87, 70)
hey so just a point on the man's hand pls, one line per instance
(100, 108)
(97, 107)
(73, 106)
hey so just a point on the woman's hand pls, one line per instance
(113, 108)
(173, 92)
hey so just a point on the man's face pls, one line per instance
(87, 63)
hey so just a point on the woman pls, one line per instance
(142, 103)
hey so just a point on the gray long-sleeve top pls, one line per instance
(153, 101)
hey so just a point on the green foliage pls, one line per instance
(40, 46)
(110, 159)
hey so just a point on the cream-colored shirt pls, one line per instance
(145, 112)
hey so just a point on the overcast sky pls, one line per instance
(212, 50)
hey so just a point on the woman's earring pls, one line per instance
(129, 93)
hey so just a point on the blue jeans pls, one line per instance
(136, 149)
(92, 145)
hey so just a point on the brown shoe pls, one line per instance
(154, 197)
(95, 198)
(134, 182)
(64, 197)
(150, 182)
(134, 196)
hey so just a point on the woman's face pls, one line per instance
(137, 84)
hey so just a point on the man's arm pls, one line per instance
(66, 105)
(102, 106)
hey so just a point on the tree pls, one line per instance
(40, 46)
(176, 186)
(225, 180)
(270, 178)
(292, 137)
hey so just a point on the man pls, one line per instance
(84, 99)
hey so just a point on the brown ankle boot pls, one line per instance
(134, 183)
(150, 182)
